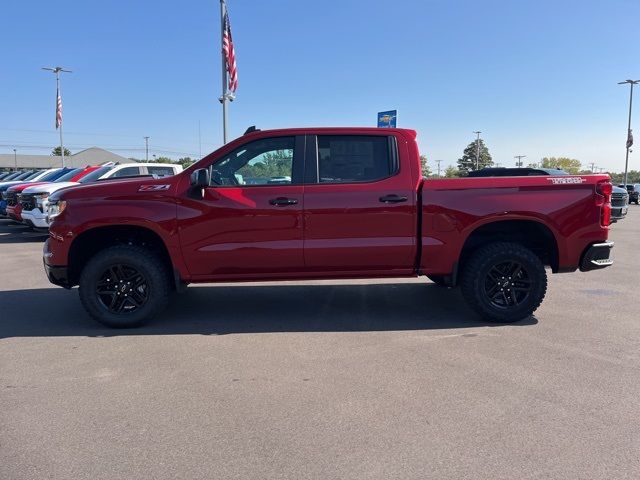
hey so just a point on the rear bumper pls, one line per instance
(596, 257)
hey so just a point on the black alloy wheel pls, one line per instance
(122, 289)
(507, 284)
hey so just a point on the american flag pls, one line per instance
(629, 139)
(58, 109)
(229, 54)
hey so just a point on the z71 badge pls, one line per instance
(153, 188)
(566, 180)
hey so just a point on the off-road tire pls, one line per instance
(152, 278)
(480, 277)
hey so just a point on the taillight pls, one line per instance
(604, 188)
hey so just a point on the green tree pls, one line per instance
(426, 169)
(451, 172)
(569, 165)
(163, 160)
(269, 165)
(468, 160)
(186, 162)
(56, 152)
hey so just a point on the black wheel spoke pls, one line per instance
(507, 284)
(122, 289)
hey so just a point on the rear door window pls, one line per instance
(354, 158)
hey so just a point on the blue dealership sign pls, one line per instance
(387, 119)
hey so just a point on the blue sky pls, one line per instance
(538, 78)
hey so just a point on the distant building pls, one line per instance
(90, 156)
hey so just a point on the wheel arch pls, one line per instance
(530, 233)
(93, 240)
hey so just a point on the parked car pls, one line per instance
(138, 169)
(633, 190)
(128, 243)
(13, 194)
(515, 172)
(35, 203)
(14, 180)
(619, 203)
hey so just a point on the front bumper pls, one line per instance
(57, 274)
(596, 257)
(35, 218)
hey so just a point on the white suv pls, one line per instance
(35, 204)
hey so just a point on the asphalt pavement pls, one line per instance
(321, 380)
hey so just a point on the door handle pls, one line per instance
(393, 199)
(283, 201)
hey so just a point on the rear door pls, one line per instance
(249, 222)
(359, 206)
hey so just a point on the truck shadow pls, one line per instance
(220, 310)
(14, 232)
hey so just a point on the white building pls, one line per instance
(90, 156)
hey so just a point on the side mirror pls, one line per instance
(200, 178)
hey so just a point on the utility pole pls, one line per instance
(57, 71)
(199, 142)
(629, 135)
(593, 167)
(15, 158)
(146, 148)
(438, 162)
(477, 149)
(519, 162)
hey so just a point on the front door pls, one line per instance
(249, 221)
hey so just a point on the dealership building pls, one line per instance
(90, 156)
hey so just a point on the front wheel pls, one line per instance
(124, 286)
(504, 282)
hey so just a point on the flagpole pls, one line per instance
(60, 95)
(57, 71)
(223, 99)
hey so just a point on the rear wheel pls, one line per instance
(124, 286)
(504, 282)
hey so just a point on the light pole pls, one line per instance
(477, 149)
(629, 135)
(146, 148)
(519, 162)
(15, 158)
(57, 71)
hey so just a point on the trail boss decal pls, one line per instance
(153, 188)
(566, 180)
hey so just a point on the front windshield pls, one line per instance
(11, 176)
(51, 176)
(69, 175)
(27, 175)
(95, 175)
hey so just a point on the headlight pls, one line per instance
(56, 208)
(41, 196)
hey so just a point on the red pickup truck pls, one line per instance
(323, 203)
